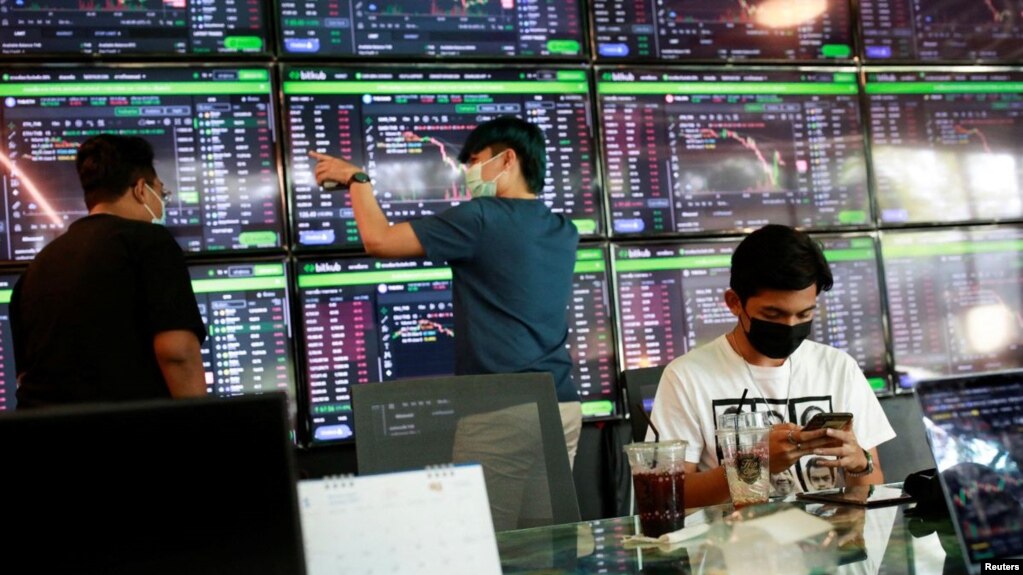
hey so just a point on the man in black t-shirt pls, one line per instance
(106, 311)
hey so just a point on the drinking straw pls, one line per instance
(657, 434)
(657, 437)
(738, 412)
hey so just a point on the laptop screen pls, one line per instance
(156, 487)
(975, 428)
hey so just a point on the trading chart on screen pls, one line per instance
(406, 127)
(213, 135)
(722, 29)
(942, 30)
(406, 28)
(133, 27)
(366, 320)
(701, 151)
(946, 145)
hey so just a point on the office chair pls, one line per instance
(909, 451)
(509, 423)
(640, 388)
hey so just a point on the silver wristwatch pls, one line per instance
(869, 469)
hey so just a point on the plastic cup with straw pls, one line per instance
(743, 441)
(658, 477)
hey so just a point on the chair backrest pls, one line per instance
(509, 423)
(640, 388)
(909, 451)
(183, 486)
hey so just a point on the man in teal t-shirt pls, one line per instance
(511, 258)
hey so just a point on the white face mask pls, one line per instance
(162, 220)
(474, 180)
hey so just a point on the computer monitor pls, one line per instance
(973, 427)
(212, 128)
(406, 126)
(955, 301)
(366, 320)
(8, 373)
(549, 29)
(941, 30)
(671, 299)
(170, 486)
(139, 28)
(716, 30)
(730, 149)
(246, 309)
(945, 144)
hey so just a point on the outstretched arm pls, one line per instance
(379, 237)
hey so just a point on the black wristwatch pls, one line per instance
(358, 178)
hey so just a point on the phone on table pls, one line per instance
(835, 420)
(860, 495)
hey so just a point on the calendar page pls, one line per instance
(433, 521)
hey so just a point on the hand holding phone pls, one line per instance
(836, 420)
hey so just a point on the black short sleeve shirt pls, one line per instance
(85, 313)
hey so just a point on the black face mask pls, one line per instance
(776, 340)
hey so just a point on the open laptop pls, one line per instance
(975, 429)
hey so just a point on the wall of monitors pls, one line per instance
(885, 128)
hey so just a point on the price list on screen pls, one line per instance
(701, 151)
(249, 342)
(133, 27)
(671, 299)
(8, 373)
(438, 28)
(946, 145)
(955, 301)
(722, 30)
(942, 30)
(212, 131)
(406, 128)
(368, 320)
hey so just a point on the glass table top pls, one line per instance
(890, 540)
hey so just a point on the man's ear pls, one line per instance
(139, 191)
(510, 157)
(733, 302)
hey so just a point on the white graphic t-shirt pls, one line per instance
(709, 380)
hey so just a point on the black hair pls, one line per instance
(779, 258)
(109, 164)
(816, 462)
(808, 413)
(510, 132)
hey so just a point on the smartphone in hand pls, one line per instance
(836, 420)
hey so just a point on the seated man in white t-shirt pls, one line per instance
(777, 274)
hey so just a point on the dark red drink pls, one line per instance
(659, 501)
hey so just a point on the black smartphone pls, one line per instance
(861, 495)
(836, 420)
